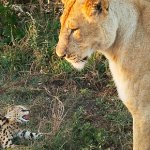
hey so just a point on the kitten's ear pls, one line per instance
(10, 108)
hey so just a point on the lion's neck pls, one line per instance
(127, 17)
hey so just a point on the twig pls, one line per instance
(57, 115)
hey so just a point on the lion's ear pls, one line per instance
(94, 7)
(101, 6)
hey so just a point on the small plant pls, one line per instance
(85, 136)
(12, 27)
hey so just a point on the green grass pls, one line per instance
(95, 119)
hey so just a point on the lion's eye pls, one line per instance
(73, 30)
(76, 34)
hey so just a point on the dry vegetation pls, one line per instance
(74, 110)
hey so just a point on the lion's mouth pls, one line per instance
(74, 60)
(78, 64)
(26, 117)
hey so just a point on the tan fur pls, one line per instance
(120, 31)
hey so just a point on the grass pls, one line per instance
(95, 119)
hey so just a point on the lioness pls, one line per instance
(119, 29)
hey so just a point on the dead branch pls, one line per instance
(57, 116)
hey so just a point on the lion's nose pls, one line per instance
(61, 52)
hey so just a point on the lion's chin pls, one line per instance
(79, 65)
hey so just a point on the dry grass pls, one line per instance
(57, 116)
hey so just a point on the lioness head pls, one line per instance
(86, 26)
